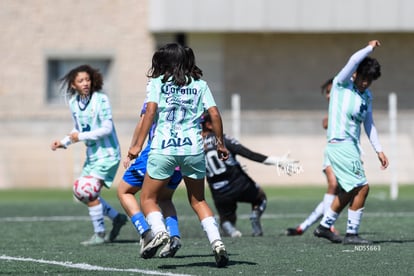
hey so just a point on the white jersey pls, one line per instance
(179, 111)
(349, 108)
(94, 123)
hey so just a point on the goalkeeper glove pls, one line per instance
(284, 164)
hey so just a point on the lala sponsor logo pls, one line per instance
(176, 142)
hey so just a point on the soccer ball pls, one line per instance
(87, 188)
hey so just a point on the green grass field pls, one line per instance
(41, 230)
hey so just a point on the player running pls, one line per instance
(176, 101)
(92, 118)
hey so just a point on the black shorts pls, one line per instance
(244, 189)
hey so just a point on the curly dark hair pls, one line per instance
(369, 68)
(94, 74)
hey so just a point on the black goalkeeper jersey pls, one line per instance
(222, 173)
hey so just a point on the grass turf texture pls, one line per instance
(43, 228)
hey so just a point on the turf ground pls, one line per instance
(40, 233)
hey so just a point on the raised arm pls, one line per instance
(353, 62)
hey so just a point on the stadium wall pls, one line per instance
(27, 161)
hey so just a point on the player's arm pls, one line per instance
(106, 127)
(236, 148)
(96, 134)
(353, 62)
(64, 142)
(217, 127)
(145, 126)
(138, 126)
(372, 134)
(325, 122)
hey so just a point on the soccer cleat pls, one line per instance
(256, 225)
(169, 250)
(96, 239)
(119, 221)
(220, 253)
(149, 249)
(323, 232)
(355, 239)
(294, 231)
(229, 230)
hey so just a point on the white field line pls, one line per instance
(243, 216)
(89, 267)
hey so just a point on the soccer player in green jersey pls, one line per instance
(350, 105)
(176, 100)
(93, 125)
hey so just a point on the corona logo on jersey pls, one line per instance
(169, 88)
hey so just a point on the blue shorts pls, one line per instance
(162, 166)
(134, 175)
(345, 159)
(101, 169)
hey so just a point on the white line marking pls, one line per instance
(89, 267)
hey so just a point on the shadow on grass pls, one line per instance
(204, 264)
(125, 241)
(392, 241)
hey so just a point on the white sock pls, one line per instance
(97, 217)
(354, 219)
(327, 201)
(329, 218)
(156, 221)
(210, 227)
(313, 217)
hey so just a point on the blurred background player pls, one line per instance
(350, 105)
(230, 184)
(176, 100)
(92, 117)
(329, 196)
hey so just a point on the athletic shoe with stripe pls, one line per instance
(149, 249)
(220, 254)
(326, 233)
(294, 231)
(96, 239)
(169, 250)
(355, 239)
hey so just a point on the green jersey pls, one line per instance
(179, 111)
(93, 121)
